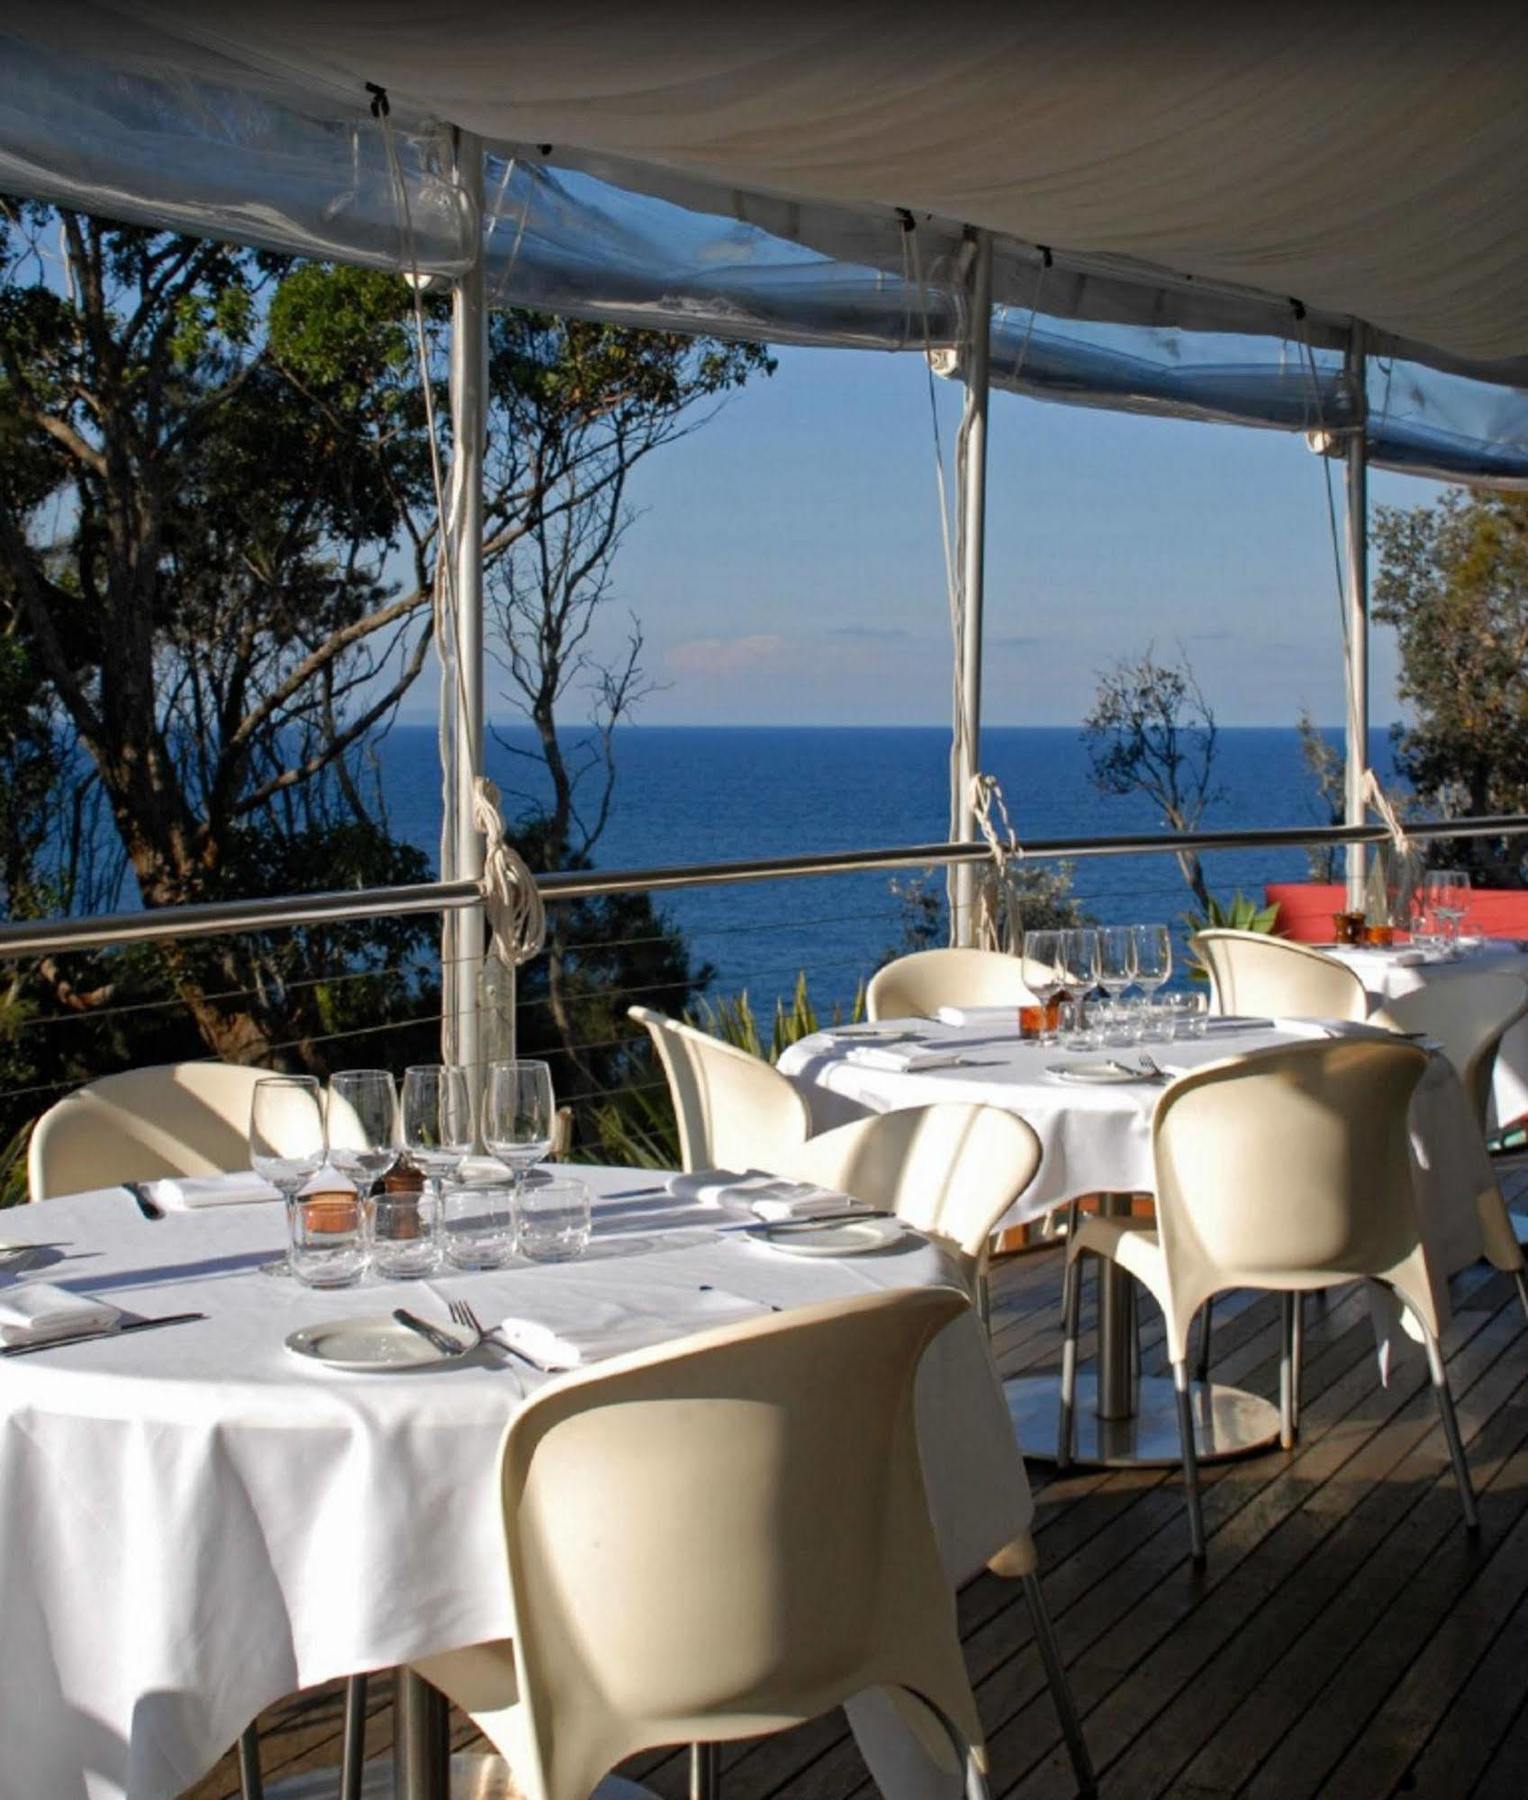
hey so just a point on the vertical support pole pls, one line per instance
(972, 473)
(1357, 603)
(463, 940)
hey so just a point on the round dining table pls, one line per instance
(1095, 1139)
(196, 1521)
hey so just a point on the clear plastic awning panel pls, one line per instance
(127, 110)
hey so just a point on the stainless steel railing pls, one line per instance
(219, 918)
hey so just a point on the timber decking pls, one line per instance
(1347, 1640)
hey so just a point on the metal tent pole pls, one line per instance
(972, 476)
(463, 939)
(1357, 604)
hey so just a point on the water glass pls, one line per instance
(478, 1226)
(1188, 1015)
(327, 1239)
(555, 1219)
(1153, 968)
(404, 1235)
(437, 1119)
(287, 1139)
(1116, 972)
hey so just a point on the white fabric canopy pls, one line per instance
(1365, 160)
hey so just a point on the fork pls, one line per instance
(463, 1315)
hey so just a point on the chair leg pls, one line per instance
(1190, 1463)
(1450, 1420)
(1060, 1687)
(250, 1784)
(1520, 1276)
(353, 1753)
(1071, 1309)
(1202, 1361)
(1286, 1371)
(705, 1772)
(1297, 1358)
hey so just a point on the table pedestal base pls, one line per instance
(1227, 1423)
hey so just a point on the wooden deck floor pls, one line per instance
(1346, 1640)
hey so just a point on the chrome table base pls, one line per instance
(1227, 1423)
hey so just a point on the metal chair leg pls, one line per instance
(353, 1752)
(1297, 1358)
(705, 1772)
(1450, 1420)
(1287, 1371)
(1521, 1278)
(1070, 1311)
(1190, 1463)
(1060, 1686)
(1202, 1361)
(250, 1784)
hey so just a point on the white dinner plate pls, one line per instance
(374, 1344)
(1095, 1074)
(834, 1237)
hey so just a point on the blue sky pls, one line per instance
(786, 566)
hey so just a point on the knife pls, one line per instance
(439, 1340)
(85, 1337)
(150, 1209)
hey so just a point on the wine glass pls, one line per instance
(1042, 975)
(287, 1141)
(1153, 962)
(1448, 894)
(519, 1117)
(437, 1123)
(363, 1126)
(1116, 972)
(1079, 974)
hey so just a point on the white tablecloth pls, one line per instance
(1098, 1139)
(1387, 974)
(194, 1522)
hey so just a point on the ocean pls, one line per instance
(687, 794)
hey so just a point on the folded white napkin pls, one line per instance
(769, 1196)
(187, 1193)
(981, 1015)
(35, 1311)
(1390, 956)
(902, 1059)
(611, 1327)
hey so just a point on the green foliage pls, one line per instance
(1239, 913)
(1452, 581)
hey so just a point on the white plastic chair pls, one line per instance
(174, 1119)
(735, 1111)
(709, 1541)
(953, 1170)
(917, 986)
(140, 1125)
(1468, 1016)
(1254, 975)
(1287, 1169)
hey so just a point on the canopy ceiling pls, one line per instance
(1368, 160)
(1160, 179)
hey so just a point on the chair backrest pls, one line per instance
(953, 1169)
(174, 1119)
(916, 986)
(1468, 1015)
(1290, 1168)
(711, 1540)
(735, 1111)
(1259, 976)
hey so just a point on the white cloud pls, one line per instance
(712, 656)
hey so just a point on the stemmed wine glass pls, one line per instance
(1042, 975)
(363, 1126)
(1116, 972)
(437, 1124)
(287, 1141)
(519, 1117)
(1448, 895)
(1079, 975)
(1153, 963)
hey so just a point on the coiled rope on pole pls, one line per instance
(511, 898)
(995, 901)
